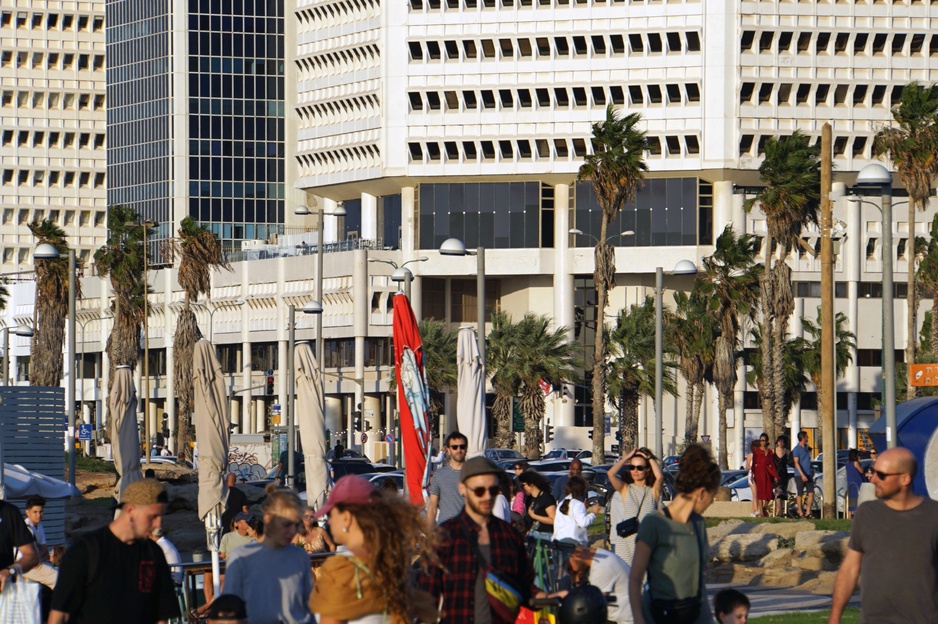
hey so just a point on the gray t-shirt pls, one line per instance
(445, 484)
(483, 611)
(899, 573)
(274, 583)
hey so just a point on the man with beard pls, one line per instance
(893, 549)
(444, 489)
(474, 543)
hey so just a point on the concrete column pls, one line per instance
(246, 381)
(330, 225)
(235, 407)
(260, 409)
(371, 415)
(797, 330)
(170, 407)
(369, 229)
(563, 289)
(282, 389)
(739, 424)
(361, 296)
(333, 417)
(416, 296)
(727, 208)
(408, 222)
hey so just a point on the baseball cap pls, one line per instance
(349, 490)
(477, 466)
(244, 515)
(144, 492)
(227, 607)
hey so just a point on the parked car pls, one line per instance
(587, 457)
(342, 467)
(503, 455)
(377, 478)
(347, 454)
(731, 476)
(560, 453)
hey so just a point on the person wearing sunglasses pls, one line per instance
(273, 577)
(893, 549)
(445, 501)
(475, 543)
(369, 580)
(637, 480)
(763, 474)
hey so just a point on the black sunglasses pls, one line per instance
(459, 447)
(882, 475)
(639, 468)
(493, 491)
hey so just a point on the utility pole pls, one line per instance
(827, 391)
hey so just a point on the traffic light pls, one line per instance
(270, 385)
(591, 433)
(357, 420)
(619, 435)
(550, 433)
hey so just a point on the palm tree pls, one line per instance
(631, 366)
(692, 330)
(439, 357)
(51, 306)
(791, 172)
(844, 347)
(616, 168)
(912, 145)
(731, 284)
(499, 355)
(928, 277)
(794, 378)
(199, 252)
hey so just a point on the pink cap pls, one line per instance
(349, 490)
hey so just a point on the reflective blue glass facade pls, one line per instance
(234, 74)
(139, 119)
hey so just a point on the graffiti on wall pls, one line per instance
(250, 461)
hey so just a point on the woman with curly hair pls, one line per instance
(368, 583)
(273, 576)
(672, 548)
(543, 507)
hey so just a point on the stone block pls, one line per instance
(743, 547)
(830, 544)
(734, 573)
(727, 527)
(817, 564)
(787, 530)
(780, 558)
(729, 509)
(782, 577)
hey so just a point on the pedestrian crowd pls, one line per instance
(473, 555)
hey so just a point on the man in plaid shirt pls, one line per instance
(473, 534)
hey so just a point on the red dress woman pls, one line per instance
(764, 473)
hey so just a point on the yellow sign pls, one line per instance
(923, 374)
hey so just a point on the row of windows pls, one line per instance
(804, 94)
(133, 72)
(334, 111)
(234, 86)
(51, 61)
(51, 21)
(131, 111)
(251, 150)
(842, 43)
(236, 210)
(865, 290)
(844, 146)
(245, 45)
(236, 189)
(237, 7)
(236, 24)
(339, 62)
(342, 12)
(556, 47)
(52, 101)
(138, 133)
(236, 65)
(25, 215)
(41, 138)
(558, 97)
(62, 179)
(525, 149)
(359, 156)
(137, 173)
(237, 128)
(435, 5)
(237, 169)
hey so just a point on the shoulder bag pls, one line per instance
(506, 596)
(629, 526)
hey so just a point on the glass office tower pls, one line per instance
(196, 117)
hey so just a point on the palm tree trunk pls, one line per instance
(767, 383)
(933, 341)
(501, 413)
(785, 306)
(690, 416)
(911, 299)
(723, 456)
(599, 346)
(698, 403)
(630, 426)
(532, 407)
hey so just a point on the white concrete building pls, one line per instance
(52, 120)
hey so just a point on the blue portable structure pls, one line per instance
(917, 430)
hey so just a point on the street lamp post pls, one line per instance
(877, 175)
(211, 314)
(19, 330)
(313, 307)
(683, 267)
(401, 273)
(146, 337)
(455, 247)
(81, 359)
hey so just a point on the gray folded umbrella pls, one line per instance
(125, 434)
(310, 420)
(212, 419)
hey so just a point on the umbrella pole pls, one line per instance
(213, 535)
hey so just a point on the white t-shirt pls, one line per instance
(575, 523)
(502, 509)
(611, 575)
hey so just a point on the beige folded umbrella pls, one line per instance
(125, 433)
(212, 419)
(470, 391)
(310, 420)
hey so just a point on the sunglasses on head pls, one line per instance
(640, 468)
(459, 447)
(478, 492)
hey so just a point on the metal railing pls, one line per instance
(265, 252)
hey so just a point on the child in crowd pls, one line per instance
(731, 607)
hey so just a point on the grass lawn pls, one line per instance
(851, 616)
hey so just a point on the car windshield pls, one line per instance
(509, 454)
(554, 454)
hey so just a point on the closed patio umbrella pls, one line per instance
(212, 419)
(125, 433)
(310, 420)
(470, 389)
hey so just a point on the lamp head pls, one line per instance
(453, 247)
(684, 267)
(312, 307)
(23, 330)
(46, 251)
(874, 174)
(575, 231)
(340, 210)
(402, 274)
(627, 233)
(301, 211)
